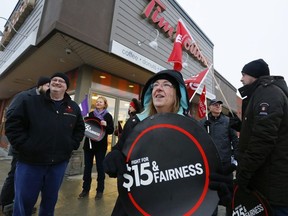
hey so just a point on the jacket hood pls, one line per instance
(172, 74)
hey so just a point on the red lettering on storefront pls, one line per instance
(153, 12)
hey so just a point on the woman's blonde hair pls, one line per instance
(105, 101)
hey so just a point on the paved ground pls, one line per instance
(69, 205)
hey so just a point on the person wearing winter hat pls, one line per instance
(44, 130)
(165, 92)
(7, 192)
(134, 107)
(262, 148)
(43, 80)
(225, 139)
(256, 68)
(63, 76)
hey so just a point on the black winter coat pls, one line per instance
(263, 144)
(44, 133)
(17, 101)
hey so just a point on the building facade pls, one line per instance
(106, 47)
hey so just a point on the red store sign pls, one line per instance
(153, 12)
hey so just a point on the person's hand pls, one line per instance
(242, 183)
(103, 122)
(114, 163)
(207, 123)
(222, 182)
(234, 122)
(222, 188)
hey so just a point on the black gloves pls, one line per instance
(222, 182)
(243, 182)
(114, 163)
(234, 122)
(207, 123)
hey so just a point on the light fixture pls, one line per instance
(12, 27)
(153, 43)
(5, 47)
(102, 77)
(185, 64)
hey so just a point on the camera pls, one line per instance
(68, 51)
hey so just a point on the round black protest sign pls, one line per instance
(93, 128)
(169, 158)
(249, 203)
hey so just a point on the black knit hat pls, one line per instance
(63, 76)
(136, 105)
(42, 81)
(256, 68)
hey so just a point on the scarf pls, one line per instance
(100, 114)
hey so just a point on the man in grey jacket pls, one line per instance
(224, 137)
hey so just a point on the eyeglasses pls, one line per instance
(165, 85)
(58, 80)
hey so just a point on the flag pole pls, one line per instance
(209, 68)
(217, 84)
(206, 114)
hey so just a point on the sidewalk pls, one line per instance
(68, 203)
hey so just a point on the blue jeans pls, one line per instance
(280, 210)
(30, 180)
(88, 165)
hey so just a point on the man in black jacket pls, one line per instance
(7, 192)
(44, 130)
(263, 149)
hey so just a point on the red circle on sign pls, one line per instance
(178, 146)
(96, 131)
(181, 130)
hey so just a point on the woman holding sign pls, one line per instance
(97, 149)
(164, 93)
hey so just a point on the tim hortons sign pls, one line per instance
(153, 12)
(16, 20)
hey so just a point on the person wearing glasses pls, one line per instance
(224, 137)
(165, 92)
(45, 130)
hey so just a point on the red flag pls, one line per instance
(194, 82)
(202, 103)
(182, 34)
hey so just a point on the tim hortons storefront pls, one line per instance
(107, 48)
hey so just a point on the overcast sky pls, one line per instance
(241, 31)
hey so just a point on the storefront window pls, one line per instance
(114, 85)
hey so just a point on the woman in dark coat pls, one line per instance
(97, 149)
